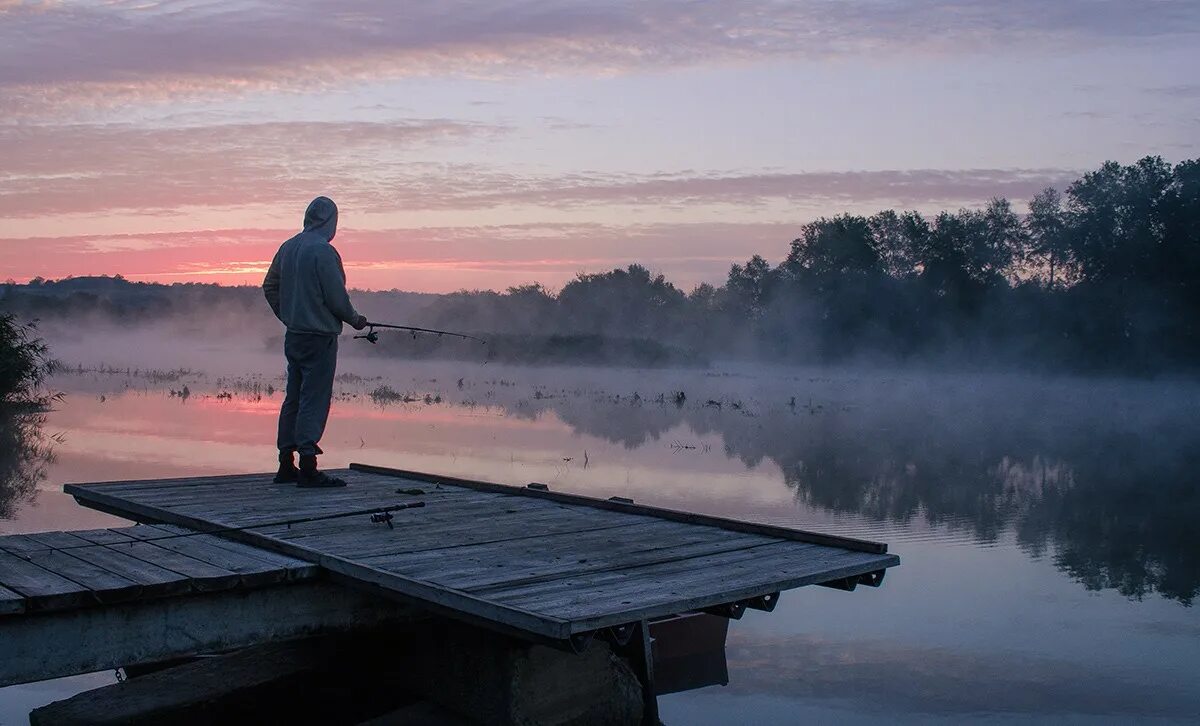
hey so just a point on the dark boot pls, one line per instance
(288, 473)
(310, 478)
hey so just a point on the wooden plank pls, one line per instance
(253, 571)
(234, 500)
(223, 492)
(408, 522)
(548, 572)
(156, 581)
(343, 525)
(11, 603)
(653, 577)
(286, 510)
(436, 543)
(17, 543)
(451, 515)
(258, 497)
(188, 494)
(114, 487)
(619, 506)
(199, 575)
(590, 616)
(517, 546)
(430, 535)
(704, 582)
(92, 536)
(106, 586)
(42, 589)
(297, 569)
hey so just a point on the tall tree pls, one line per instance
(1047, 229)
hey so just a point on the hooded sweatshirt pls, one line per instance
(306, 284)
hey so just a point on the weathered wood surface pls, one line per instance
(535, 562)
(54, 571)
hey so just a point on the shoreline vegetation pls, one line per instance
(25, 363)
(25, 454)
(1102, 277)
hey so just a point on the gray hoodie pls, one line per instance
(306, 284)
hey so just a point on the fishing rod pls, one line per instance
(372, 335)
(379, 515)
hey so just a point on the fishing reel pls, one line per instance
(370, 336)
(384, 516)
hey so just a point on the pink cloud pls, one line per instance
(94, 167)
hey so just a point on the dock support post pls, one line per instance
(641, 651)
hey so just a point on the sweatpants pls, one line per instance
(312, 361)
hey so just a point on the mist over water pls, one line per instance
(1045, 524)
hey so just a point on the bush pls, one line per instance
(24, 362)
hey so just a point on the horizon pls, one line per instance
(476, 146)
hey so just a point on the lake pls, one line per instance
(1047, 526)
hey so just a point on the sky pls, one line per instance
(481, 143)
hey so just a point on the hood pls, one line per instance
(321, 217)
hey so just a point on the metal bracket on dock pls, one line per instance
(735, 610)
(619, 635)
(870, 579)
(732, 610)
(766, 603)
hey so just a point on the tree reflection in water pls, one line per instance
(1103, 484)
(25, 456)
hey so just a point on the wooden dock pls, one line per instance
(224, 562)
(522, 559)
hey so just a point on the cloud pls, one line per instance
(1184, 91)
(121, 47)
(74, 169)
(88, 168)
(901, 187)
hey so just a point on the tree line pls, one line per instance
(1104, 275)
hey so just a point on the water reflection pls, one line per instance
(25, 456)
(1105, 487)
(1096, 476)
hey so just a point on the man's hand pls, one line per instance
(359, 323)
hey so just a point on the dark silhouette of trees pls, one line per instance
(627, 303)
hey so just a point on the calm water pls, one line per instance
(1047, 528)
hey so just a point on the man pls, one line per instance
(306, 289)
